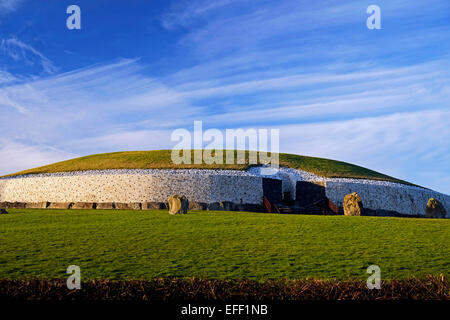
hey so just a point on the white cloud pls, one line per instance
(412, 146)
(20, 51)
(394, 120)
(184, 12)
(98, 101)
(18, 156)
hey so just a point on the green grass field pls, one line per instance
(222, 245)
(161, 159)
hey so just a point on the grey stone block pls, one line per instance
(154, 206)
(198, 206)
(129, 206)
(60, 205)
(13, 205)
(84, 205)
(37, 205)
(105, 206)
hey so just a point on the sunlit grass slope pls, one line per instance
(161, 159)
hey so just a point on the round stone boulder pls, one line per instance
(435, 209)
(178, 204)
(353, 205)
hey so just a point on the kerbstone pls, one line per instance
(84, 205)
(37, 205)
(204, 186)
(60, 205)
(106, 206)
(129, 206)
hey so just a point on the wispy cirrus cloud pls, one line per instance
(130, 110)
(183, 13)
(22, 52)
(16, 156)
(396, 144)
(312, 69)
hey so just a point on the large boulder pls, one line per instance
(178, 204)
(435, 209)
(353, 205)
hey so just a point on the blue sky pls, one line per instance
(139, 69)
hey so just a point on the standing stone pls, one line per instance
(3, 211)
(435, 209)
(178, 204)
(353, 205)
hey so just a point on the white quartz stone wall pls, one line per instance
(156, 186)
(205, 186)
(386, 196)
(375, 194)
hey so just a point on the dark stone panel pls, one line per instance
(308, 193)
(106, 205)
(272, 190)
(128, 206)
(198, 206)
(13, 205)
(84, 205)
(37, 205)
(60, 205)
(154, 206)
(221, 206)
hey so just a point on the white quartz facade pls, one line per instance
(140, 186)
(393, 197)
(207, 186)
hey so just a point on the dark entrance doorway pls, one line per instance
(272, 189)
(308, 193)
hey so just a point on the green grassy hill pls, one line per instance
(161, 159)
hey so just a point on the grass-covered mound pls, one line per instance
(218, 245)
(161, 159)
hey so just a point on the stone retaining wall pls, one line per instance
(402, 199)
(205, 189)
(132, 188)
